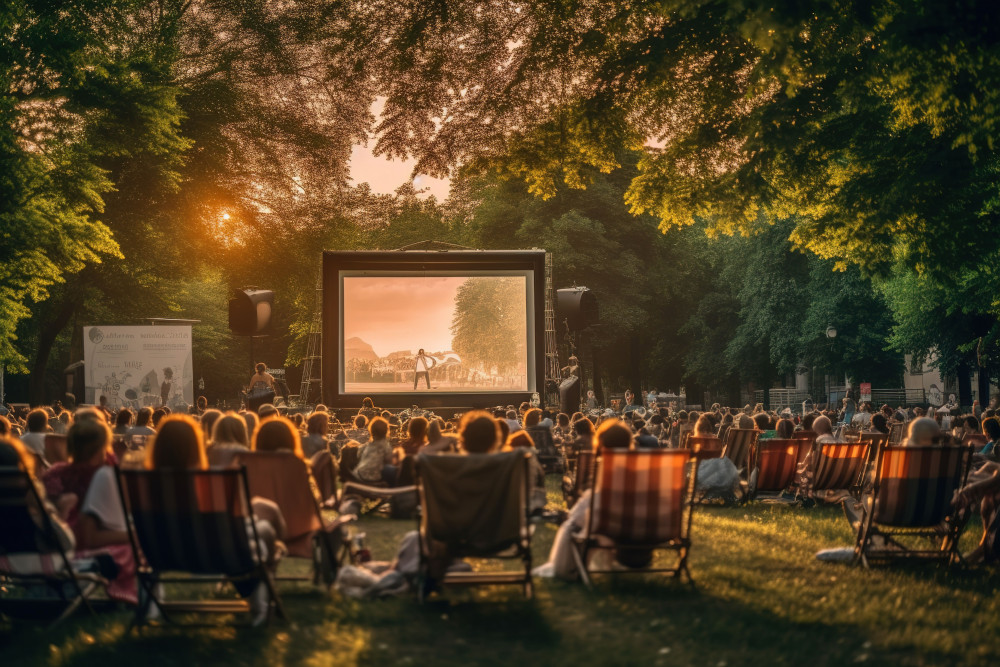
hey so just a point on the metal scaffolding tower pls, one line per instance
(552, 368)
(312, 381)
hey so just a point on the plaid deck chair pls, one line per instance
(840, 465)
(739, 445)
(284, 478)
(197, 522)
(474, 506)
(911, 497)
(31, 555)
(775, 464)
(581, 479)
(643, 501)
(705, 447)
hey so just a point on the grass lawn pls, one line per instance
(760, 598)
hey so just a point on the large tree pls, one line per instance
(874, 122)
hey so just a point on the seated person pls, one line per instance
(360, 430)
(984, 489)
(879, 423)
(66, 482)
(439, 442)
(416, 431)
(229, 438)
(478, 433)
(704, 428)
(316, 429)
(179, 444)
(785, 429)
(612, 434)
(991, 428)
(923, 432)
(375, 458)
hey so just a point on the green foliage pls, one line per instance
(872, 123)
(489, 330)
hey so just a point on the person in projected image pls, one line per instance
(423, 364)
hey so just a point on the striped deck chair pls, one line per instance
(840, 465)
(775, 464)
(704, 447)
(897, 430)
(474, 506)
(804, 435)
(31, 554)
(195, 522)
(911, 497)
(284, 478)
(739, 446)
(684, 431)
(582, 478)
(643, 501)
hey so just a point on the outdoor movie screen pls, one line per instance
(447, 332)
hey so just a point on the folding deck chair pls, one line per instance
(581, 479)
(739, 445)
(31, 554)
(896, 432)
(195, 522)
(775, 464)
(911, 497)
(284, 478)
(840, 465)
(474, 506)
(644, 500)
(705, 447)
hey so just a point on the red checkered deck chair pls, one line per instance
(705, 447)
(775, 464)
(911, 498)
(31, 554)
(582, 478)
(644, 499)
(739, 445)
(840, 465)
(197, 523)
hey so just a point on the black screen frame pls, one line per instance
(427, 261)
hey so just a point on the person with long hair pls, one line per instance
(479, 433)
(180, 445)
(277, 435)
(416, 432)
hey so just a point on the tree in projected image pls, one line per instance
(488, 329)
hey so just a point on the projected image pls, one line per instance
(435, 334)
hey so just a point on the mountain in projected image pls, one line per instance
(355, 348)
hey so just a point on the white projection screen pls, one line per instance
(444, 332)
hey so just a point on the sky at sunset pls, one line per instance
(383, 175)
(400, 313)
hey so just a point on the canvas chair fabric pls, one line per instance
(642, 502)
(777, 462)
(31, 552)
(896, 432)
(197, 522)
(284, 478)
(705, 447)
(190, 520)
(640, 496)
(474, 504)
(739, 445)
(911, 496)
(840, 465)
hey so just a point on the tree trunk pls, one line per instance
(964, 387)
(49, 331)
(984, 386)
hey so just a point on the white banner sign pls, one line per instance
(138, 366)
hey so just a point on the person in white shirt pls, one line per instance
(38, 426)
(423, 364)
